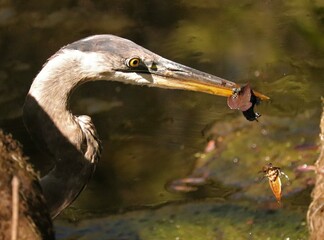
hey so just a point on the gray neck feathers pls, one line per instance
(52, 125)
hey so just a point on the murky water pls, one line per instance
(154, 136)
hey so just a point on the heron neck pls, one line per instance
(47, 104)
(52, 125)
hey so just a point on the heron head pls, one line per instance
(114, 58)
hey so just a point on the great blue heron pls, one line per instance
(72, 140)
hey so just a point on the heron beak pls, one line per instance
(174, 75)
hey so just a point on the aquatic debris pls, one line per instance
(274, 174)
(244, 100)
(188, 184)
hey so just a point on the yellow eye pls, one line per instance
(134, 62)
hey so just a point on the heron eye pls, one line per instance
(134, 62)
